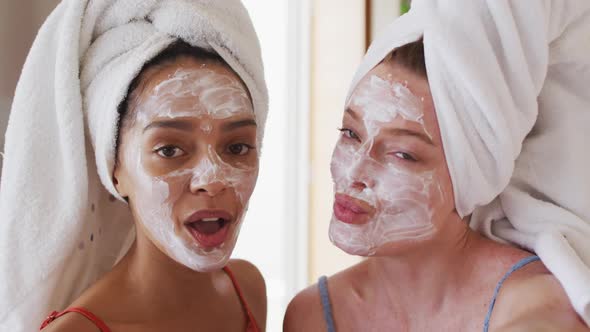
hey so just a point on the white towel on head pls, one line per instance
(60, 229)
(511, 86)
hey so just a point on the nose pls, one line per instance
(210, 188)
(360, 174)
(362, 184)
(207, 178)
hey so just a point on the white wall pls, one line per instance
(383, 12)
(338, 45)
(274, 235)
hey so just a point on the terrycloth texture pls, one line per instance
(510, 82)
(60, 229)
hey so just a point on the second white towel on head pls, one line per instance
(509, 80)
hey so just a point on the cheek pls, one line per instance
(391, 179)
(150, 187)
(335, 164)
(155, 168)
(152, 201)
(244, 183)
(444, 191)
(342, 160)
(399, 191)
(152, 166)
(249, 162)
(132, 178)
(173, 185)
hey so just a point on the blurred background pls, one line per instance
(310, 49)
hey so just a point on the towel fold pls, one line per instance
(60, 229)
(510, 83)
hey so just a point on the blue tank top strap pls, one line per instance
(326, 306)
(520, 264)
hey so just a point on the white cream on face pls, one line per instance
(206, 95)
(219, 96)
(400, 197)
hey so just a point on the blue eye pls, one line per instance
(349, 134)
(169, 151)
(239, 149)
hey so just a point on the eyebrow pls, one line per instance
(174, 124)
(351, 113)
(397, 131)
(238, 124)
(187, 126)
(412, 133)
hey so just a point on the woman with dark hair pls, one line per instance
(170, 116)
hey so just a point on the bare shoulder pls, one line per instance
(250, 278)
(95, 299)
(534, 300)
(304, 312)
(71, 322)
(252, 284)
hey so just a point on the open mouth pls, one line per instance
(209, 228)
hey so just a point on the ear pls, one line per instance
(119, 180)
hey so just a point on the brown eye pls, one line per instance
(239, 149)
(169, 152)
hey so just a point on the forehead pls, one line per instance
(185, 70)
(191, 84)
(392, 88)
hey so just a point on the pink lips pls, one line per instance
(210, 228)
(350, 210)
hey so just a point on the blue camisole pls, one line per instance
(329, 315)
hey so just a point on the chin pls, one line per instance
(205, 264)
(198, 259)
(352, 248)
(211, 267)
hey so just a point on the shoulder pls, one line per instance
(247, 274)
(71, 322)
(252, 285)
(534, 299)
(95, 300)
(304, 312)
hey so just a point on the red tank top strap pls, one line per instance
(90, 316)
(252, 325)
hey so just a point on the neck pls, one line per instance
(435, 270)
(159, 283)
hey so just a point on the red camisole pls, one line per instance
(250, 327)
